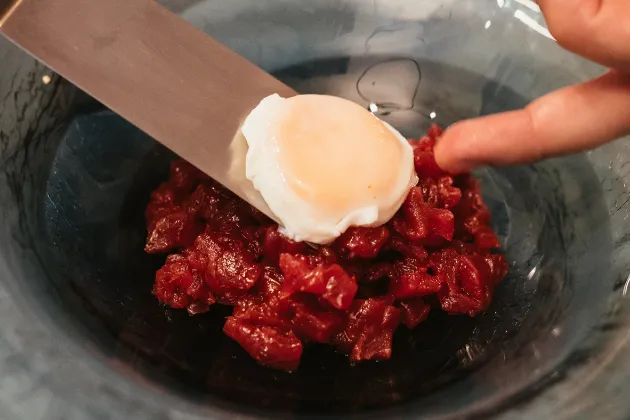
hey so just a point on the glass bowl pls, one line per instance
(83, 338)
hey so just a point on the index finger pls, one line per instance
(566, 121)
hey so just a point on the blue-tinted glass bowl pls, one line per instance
(82, 337)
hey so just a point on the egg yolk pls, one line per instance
(335, 154)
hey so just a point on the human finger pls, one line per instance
(570, 120)
(595, 29)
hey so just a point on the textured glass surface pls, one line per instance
(82, 337)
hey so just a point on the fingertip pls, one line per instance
(452, 149)
(499, 139)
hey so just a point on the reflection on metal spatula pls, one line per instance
(172, 81)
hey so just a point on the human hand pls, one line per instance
(570, 120)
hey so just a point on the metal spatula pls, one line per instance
(180, 86)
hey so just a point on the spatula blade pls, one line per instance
(172, 81)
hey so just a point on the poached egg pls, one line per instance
(324, 163)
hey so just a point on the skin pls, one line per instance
(570, 120)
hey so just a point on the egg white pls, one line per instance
(302, 220)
